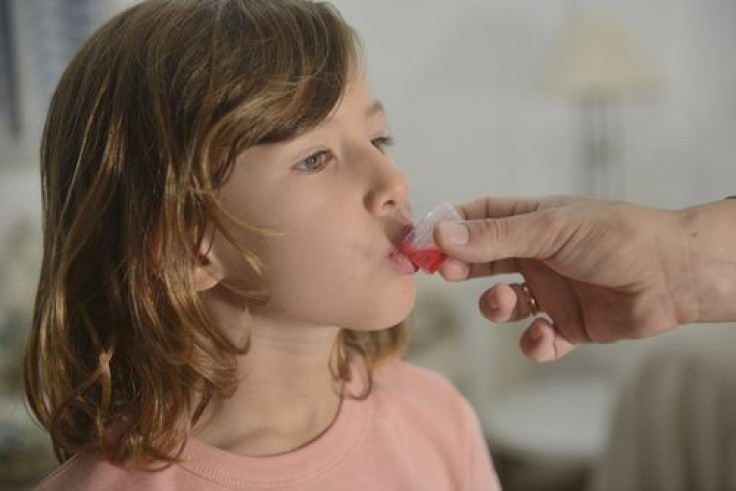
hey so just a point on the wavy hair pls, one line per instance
(143, 128)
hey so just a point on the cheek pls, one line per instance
(341, 285)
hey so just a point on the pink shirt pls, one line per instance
(414, 432)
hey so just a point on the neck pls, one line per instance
(287, 395)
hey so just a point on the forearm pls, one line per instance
(709, 233)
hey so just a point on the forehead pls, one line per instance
(357, 100)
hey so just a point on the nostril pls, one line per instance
(387, 191)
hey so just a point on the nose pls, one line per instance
(388, 190)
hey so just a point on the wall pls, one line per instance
(460, 82)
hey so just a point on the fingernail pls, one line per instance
(454, 233)
(492, 303)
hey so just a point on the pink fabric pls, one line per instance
(414, 432)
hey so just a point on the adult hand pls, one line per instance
(601, 271)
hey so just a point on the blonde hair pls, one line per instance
(143, 128)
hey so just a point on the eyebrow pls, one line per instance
(374, 109)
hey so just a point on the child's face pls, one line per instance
(341, 206)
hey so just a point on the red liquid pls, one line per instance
(428, 260)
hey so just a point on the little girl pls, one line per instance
(221, 272)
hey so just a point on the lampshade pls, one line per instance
(596, 57)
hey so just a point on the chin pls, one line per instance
(391, 309)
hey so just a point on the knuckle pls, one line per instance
(487, 231)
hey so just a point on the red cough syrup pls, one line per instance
(428, 260)
(419, 247)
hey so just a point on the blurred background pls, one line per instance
(620, 99)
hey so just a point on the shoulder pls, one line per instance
(87, 473)
(402, 377)
(403, 387)
(428, 417)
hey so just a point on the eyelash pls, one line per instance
(303, 164)
(381, 143)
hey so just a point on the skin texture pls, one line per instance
(337, 205)
(600, 271)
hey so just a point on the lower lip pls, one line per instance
(401, 263)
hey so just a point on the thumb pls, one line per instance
(531, 235)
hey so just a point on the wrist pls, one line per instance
(707, 289)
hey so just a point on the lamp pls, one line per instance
(597, 66)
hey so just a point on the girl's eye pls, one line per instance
(382, 143)
(315, 162)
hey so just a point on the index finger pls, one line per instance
(453, 269)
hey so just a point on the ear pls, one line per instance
(208, 272)
(203, 277)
